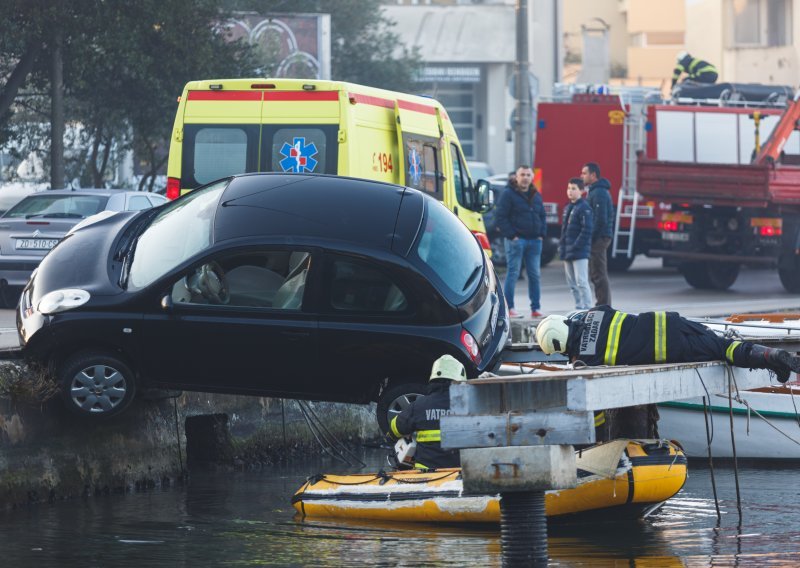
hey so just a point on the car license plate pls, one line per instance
(682, 237)
(36, 244)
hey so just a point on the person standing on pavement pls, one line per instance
(576, 244)
(599, 200)
(521, 219)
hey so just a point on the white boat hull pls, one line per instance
(683, 421)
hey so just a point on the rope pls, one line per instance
(709, 439)
(731, 383)
(178, 435)
(382, 475)
(764, 418)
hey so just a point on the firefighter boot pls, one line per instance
(777, 360)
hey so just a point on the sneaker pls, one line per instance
(512, 313)
(536, 314)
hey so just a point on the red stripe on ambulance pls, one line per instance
(224, 95)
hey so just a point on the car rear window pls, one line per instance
(66, 206)
(450, 253)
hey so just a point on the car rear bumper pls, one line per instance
(16, 271)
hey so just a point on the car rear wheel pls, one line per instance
(394, 400)
(96, 384)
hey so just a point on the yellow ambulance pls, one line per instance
(233, 126)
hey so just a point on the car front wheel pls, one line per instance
(96, 384)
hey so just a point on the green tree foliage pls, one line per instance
(364, 47)
(125, 63)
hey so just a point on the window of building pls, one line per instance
(761, 23)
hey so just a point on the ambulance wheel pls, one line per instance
(790, 278)
(619, 263)
(394, 400)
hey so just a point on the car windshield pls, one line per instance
(65, 206)
(179, 231)
(450, 252)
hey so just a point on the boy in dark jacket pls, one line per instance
(576, 244)
(521, 219)
(599, 200)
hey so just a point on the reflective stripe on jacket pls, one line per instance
(693, 69)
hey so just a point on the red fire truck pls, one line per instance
(734, 202)
(615, 129)
(608, 129)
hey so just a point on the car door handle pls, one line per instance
(296, 335)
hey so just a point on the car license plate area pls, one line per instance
(35, 244)
(682, 237)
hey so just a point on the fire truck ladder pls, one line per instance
(628, 198)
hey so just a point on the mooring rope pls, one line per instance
(709, 439)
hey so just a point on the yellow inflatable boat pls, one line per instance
(623, 478)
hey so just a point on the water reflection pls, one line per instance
(245, 519)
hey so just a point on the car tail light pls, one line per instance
(173, 188)
(471, 346)
(482, 239)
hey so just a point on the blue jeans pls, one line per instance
(531, 251)
(578, 281)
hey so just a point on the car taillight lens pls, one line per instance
(482, 239)
(471, 346)
(173, 188)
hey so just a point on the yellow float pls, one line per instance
(621, 478)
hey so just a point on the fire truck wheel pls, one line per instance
(619, 263)
(790, 278)
(549, 250)
(710, 276)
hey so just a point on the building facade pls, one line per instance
(468, 51)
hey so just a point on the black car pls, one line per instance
(296, 286)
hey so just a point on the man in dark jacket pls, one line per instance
(696, 70)
(603, 216)
(576, 244)
(605, 336)
(422, 416)
(521, 219)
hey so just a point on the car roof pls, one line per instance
(310, 207)
(87, 191)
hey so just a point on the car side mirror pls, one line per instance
(485, 195)
(166, 303)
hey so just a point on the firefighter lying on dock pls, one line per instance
(422, 417)
(605, 336)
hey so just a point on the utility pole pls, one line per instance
(523, 150)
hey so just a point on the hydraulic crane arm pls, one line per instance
(772, 148)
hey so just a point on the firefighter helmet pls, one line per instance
(552, 333)
(448, 367)
(682, 55)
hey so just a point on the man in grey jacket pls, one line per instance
(599, 200)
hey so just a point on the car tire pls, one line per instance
(96, 384)
(394, 400)
(9, 296)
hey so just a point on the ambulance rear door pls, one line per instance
(221, 134)
(300, 132)
(419, 147)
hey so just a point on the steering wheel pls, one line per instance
(209, 281)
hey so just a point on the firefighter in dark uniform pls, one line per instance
(696, 70)
(605, 336)
(422, 416)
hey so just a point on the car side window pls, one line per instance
(137, 203)
(358, 287)
(460, 178)
(273, 279)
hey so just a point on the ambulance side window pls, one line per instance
(461, 179)
(212, 151)
(422, 167)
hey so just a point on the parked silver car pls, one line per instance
(34, 225)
